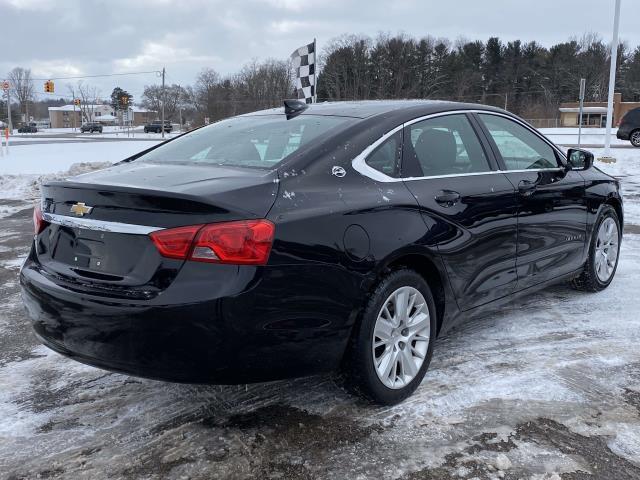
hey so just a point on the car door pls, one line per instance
(468, 206)
(552, 212)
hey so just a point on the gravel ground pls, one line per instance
(545, 388)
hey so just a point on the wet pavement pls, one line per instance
(545, 388)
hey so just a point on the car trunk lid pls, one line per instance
(99, 222)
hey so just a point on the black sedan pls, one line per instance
(314, 238)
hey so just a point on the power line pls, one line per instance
(97, 76)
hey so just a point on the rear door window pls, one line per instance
(445, 145)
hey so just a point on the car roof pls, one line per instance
(368, 108)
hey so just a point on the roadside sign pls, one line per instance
(5, 86)
(76, 102)
(207, 120)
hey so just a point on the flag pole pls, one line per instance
(315, 71)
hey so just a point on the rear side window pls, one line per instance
(386, 157)
(259, 141)
(520, 148)
(445, 145)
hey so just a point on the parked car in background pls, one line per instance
(28, 128)
(156, 127)
(629, 128)
(317, 237)
(91, 127)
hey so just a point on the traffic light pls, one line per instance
(49, 86)
(124, 100)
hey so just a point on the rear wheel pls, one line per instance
(635, 138)
(603, 253)
(392, 344)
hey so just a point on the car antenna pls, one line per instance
(294, 107)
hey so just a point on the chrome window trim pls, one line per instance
(99, 225)
(359, 163)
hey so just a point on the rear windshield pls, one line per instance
(259, 141)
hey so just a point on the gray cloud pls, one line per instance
(74, 37)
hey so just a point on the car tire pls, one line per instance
(365, 363)
(634, 138)
(604, 249)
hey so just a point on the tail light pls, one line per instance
(39, 223)
(244, 242)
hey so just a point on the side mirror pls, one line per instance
(579, 159)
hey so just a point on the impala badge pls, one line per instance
(80, 209)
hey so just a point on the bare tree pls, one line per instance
(89, 98)
(176, 98)
(22, 88)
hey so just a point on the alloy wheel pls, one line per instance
(401, 337)
(635, 138)
(607, 247)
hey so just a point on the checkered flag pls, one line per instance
(304, 61)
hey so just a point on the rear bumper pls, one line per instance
(247, 333)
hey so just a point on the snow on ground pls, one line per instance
(590, 136)
(546, 386)
(55, 157)
(22, 138)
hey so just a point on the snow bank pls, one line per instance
(46, 158)
(27, 186)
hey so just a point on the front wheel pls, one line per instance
(604, 251)
(391, 346)
(635, 138)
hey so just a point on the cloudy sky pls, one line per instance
(61, 38)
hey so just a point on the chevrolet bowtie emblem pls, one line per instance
(80, 209)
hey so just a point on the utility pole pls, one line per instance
(9, 110)
(583, 84)
(163, 99)
(612, 79)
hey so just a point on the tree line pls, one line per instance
(525, 77)
(531, 80)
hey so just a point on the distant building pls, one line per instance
(594, 113)
(66, 117)
(138, 116)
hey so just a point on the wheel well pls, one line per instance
(617, 206)
(427, 270)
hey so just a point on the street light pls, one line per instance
(612, 80)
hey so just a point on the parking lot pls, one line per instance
(545, 388)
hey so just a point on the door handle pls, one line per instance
(526, 187)
(447, 198)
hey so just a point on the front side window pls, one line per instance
(445, 145)
(259, 141)
(520, 148)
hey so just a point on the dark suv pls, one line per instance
(91, 127)
(156, 126)
(28, 128)
(630, 127)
